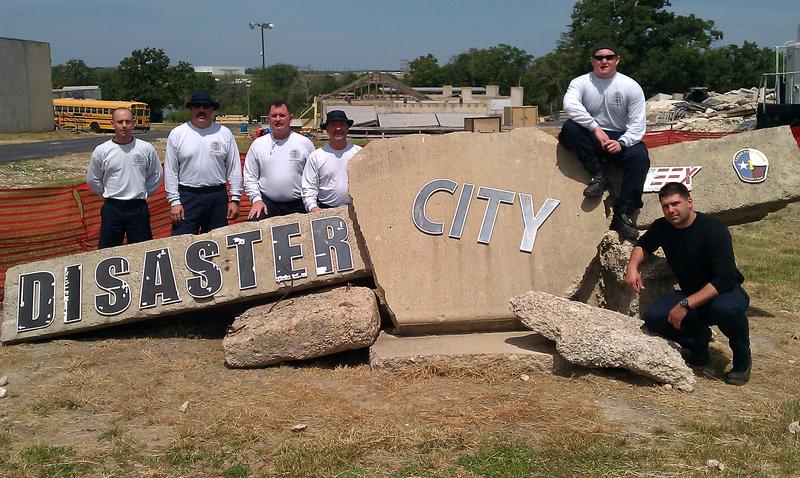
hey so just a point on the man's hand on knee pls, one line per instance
(601, 136)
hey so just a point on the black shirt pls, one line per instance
(698, 254)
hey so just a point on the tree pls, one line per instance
(73, 73)
(424, 71)
(146, 75)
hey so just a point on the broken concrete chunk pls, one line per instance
(308, 326)
(600, 338)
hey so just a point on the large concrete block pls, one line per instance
(717, 189)
(308, 326)
(600, 338)
(449, 262)
(179, 274)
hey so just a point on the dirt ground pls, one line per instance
(108, 403)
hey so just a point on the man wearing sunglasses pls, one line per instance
(606, 126)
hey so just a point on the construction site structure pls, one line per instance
(782, 107)
(381, 105)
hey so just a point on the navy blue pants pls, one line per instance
(119, 217)
(204, 209)
(633, 160)
(726, 311)
(280, 208)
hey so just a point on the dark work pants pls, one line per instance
(280, 208)
(727, 311)
(120, 217)
(203, 211)
(633, 160)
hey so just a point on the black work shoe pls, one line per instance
(597, 186)
(696, 359)
(624, 225)
(738, 376)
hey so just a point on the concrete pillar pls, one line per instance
(447, 91)
(517, 95)
(466, 93)
(492, 90)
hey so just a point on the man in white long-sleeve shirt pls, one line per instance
(325, 182)
(124, 170)
(606, 126)
(273, 168)
(200, 156)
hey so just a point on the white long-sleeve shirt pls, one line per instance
(614, 104)
(325, 176)
(124, 171)
(198, 157)
(275, 167)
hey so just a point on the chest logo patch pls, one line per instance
(751, 165)
(294, 154)
(216, 146)
(138, 159)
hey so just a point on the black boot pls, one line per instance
(623, 222)
(600, 181)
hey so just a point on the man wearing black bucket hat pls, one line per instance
(200, 156)
(606, 126)
(325, 182)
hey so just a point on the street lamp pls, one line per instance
(263, 26)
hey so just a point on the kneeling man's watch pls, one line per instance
(685, 303)
(622, 143)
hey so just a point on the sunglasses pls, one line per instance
(605, 57)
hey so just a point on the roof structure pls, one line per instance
(376, 86)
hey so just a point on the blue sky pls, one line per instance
(337, 34)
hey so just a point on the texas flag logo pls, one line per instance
(751, 165)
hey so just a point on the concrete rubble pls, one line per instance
(600, 338)
(603, 284)
(723, 112)
(312, 325)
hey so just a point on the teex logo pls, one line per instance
(494, 197)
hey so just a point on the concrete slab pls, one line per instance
(362, 115)
(407, 120)
(450, 221)
(179, 274)
(456, 120)
(717, 189)
(528, 350)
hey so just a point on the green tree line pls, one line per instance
(148, 75)
(663, 51)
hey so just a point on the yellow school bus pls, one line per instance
(95, 115)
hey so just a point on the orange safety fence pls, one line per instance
(41, 223)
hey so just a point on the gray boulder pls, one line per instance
(599, 338)
(311, 325)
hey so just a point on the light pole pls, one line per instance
(263, 26)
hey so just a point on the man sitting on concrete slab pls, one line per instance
(699, 250)
(273, 168)
(124, 171)
(606, 125)
(325, 182)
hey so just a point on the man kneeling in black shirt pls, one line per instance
(699, 250)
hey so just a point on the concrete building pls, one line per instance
(79, 92)
(25, 86)
(220, 70)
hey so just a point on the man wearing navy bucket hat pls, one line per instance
(325, 182)
(200, 157)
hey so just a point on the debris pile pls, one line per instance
(731, 111)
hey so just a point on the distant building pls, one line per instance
(220, 70)
(25, 86)
(78, 92)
